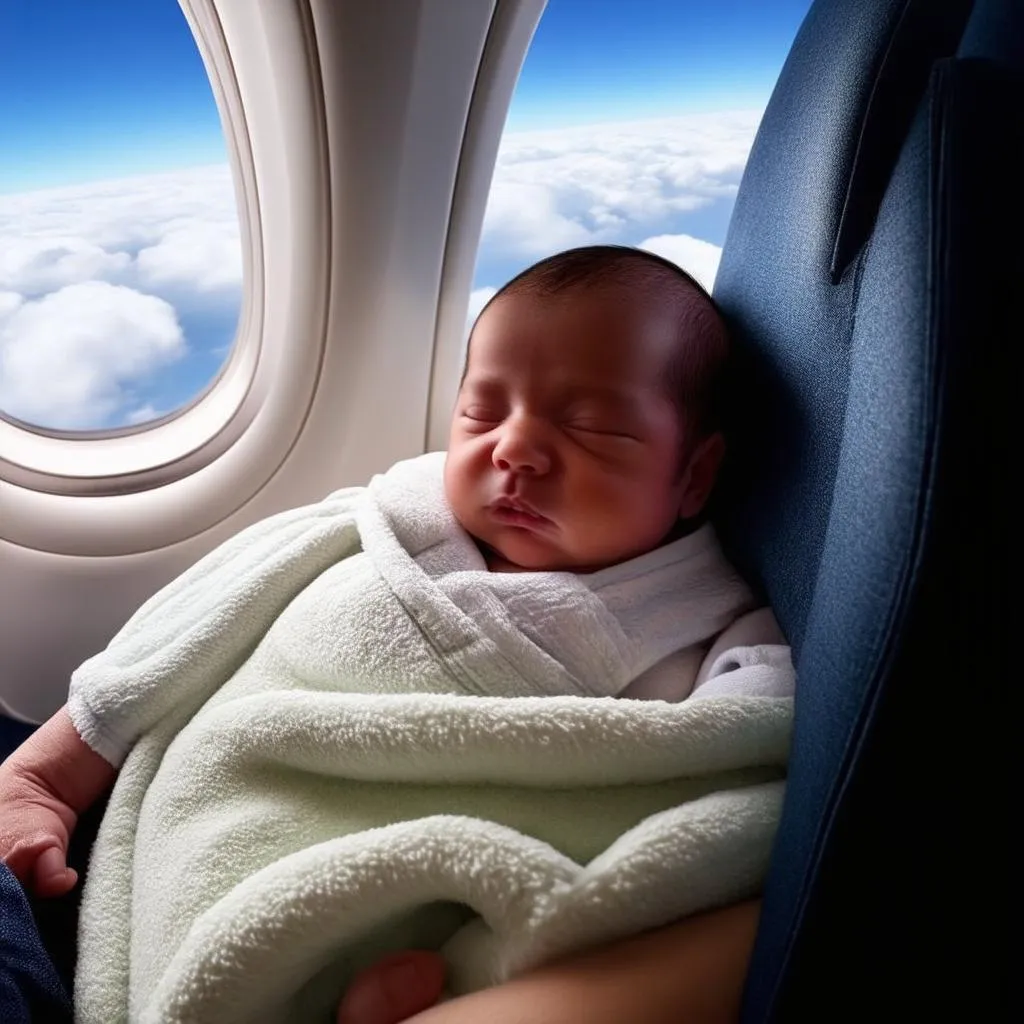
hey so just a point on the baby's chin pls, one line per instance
(504, 554)
(524, 557)
(498, 562)
(520, 550)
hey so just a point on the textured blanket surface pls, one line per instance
(346, 738)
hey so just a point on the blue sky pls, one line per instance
(94, 91)
(104, 88)
(602, 60)
(91, 89)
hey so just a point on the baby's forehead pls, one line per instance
(560, 389)
(618, 308)
(643, 293)
(558, 371)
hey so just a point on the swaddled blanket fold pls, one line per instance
(346, 736)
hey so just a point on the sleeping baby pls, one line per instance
(391, 719)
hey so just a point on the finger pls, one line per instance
(21, 860)
(24, 855)
(51, 876)
(394, 989)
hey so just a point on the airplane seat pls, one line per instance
(868, 284)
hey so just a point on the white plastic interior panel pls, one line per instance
(363, 139)
(509, 39)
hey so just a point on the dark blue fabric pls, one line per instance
(872, 300)
(12, 734)
(30, 989)
(792, 324)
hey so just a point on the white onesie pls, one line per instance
(653, 595)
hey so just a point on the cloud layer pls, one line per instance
(70, 357)
(602, 183)
(94, 284)
(694, 255)
(114, 296)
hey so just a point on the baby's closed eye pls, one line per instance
(602, 428)
(482, 413)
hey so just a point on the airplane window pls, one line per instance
(631, 124)
(120, 257)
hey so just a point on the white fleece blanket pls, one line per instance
(345, 737)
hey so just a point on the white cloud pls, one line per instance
(143, 414)
(694, 255)
(193, 254)
(70, 356)
(36, 265)
(9, 302)
(122, 215)
(523, 218)
(69, 359)
(556, 189)
(173, 232)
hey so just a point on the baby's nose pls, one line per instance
(520, 450)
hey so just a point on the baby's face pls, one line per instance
(564, 452)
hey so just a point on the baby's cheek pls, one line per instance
(464, 492)
(625, 515)
(457, 479)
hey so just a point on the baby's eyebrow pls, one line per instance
(608, 398)
(485, 384)
(612, 396)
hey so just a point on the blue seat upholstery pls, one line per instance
(867, 283)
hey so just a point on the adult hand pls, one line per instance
(35, 827)
(52, 778)
(394, 989)
(693, 970)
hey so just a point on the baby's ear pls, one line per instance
(700, 474)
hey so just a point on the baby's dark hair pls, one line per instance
(693, 377)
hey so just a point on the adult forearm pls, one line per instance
(688, 973)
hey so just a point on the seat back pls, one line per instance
(867, 285)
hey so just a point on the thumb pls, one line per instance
(394, 989)
(50, 875)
